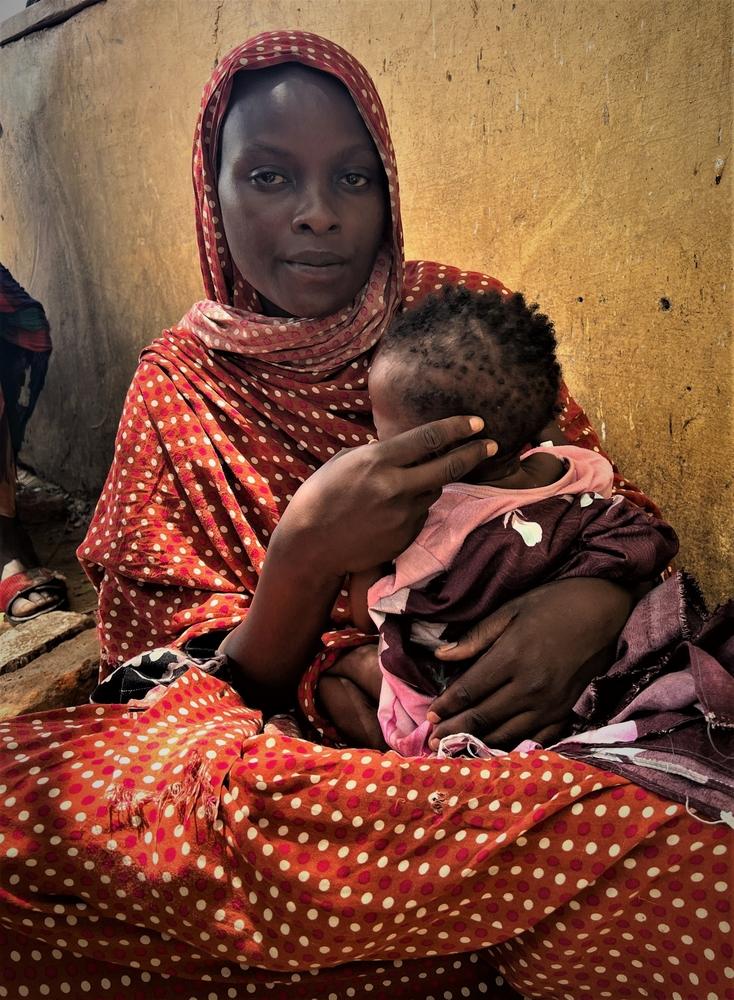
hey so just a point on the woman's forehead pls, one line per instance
(280, 111)
(289, 89)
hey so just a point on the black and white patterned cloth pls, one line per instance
(138, 676)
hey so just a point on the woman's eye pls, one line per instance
(267, 178)
(355, 180)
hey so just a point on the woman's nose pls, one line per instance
(316, 213)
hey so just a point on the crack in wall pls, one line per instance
(215, 32)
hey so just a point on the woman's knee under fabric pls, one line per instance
(269, 851)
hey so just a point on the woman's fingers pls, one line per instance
(492, 693)
(554, 641)
(507, 735)
(366, 505)
(479, 637)
(550, 734)
(451, 467)
(478, 716)
(504, 719)
(472, 688)
(425, 440)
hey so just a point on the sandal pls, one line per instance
(21, 585)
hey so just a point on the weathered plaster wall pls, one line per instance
(575, 149)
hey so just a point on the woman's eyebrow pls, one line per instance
(357, 149)
(265, 147)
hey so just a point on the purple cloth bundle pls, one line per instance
(663, 715)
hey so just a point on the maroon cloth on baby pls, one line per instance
(608, 539)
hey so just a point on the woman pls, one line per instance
(188, 844)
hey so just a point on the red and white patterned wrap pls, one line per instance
(175, 850)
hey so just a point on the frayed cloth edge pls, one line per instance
(193, 793)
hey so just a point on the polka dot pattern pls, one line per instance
(178, 850)
(180, 844)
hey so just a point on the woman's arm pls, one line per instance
(359, 585)
(289, 611)
(362, 507)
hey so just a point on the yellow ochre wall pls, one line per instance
(576, 149)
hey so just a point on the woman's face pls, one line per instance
(301, 189)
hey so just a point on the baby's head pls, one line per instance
(462, 352)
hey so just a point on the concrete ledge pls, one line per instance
(41, 15)
(24, 643)
(65, 676)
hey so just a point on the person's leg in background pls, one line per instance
(26, 590)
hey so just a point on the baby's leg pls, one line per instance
(349, 693)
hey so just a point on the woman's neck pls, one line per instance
(270, 309)
(513, 472)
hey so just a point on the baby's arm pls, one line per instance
(619, 541)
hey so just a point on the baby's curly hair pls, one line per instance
(488, 354)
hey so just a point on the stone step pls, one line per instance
(20, 645)
(62, 677)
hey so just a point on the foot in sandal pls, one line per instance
(26, 589)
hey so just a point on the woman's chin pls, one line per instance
(316, 305)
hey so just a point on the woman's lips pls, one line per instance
(315, 272)
(316, 257)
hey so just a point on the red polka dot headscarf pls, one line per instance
(314, 345)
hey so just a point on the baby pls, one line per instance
(523, 518)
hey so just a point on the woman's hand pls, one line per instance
(536, 655)
(367, 504)
(359, 509)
